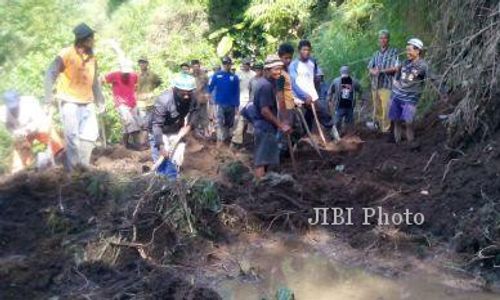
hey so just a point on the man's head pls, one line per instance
(11, 99)
(383, 38)
(344, 71)
(305, 49)
(285, 52)
(84, 37)
(143, 64)
(258, 68)
(227, 63)
(126, 67)
(273, 66)
(246, 63)
(320, 75)
(183, 86)
(414, 48)
(195, 66)
(185, 68)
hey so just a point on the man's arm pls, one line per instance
(236, 87)
(331, 91)
(267, 100)
(271, 118)
(97, 89)
(372, 67)
(212, 84)
(158, 119)
(394, 65)
(156, 81)
(300, 93)
(55, 68)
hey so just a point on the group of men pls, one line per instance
(280, 98)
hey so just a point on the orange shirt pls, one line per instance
(76, 80)
(285, 85)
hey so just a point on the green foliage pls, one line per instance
(5, 149)
(342, 32)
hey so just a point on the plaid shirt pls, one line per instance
(383, 60)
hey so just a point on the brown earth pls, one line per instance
(114, 233)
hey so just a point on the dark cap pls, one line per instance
(247, 61)
(143, 59)
(258, 65)
(227, 60)
(82, 31)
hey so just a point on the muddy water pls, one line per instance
(267, 267)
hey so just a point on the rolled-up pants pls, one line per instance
(241, 124)
(80, 132)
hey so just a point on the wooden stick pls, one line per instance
(103, 132)
(290, 149)
(318, 124)
(308, 131)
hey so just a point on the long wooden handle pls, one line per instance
(318, 124)
(290, 149)
(308, 131)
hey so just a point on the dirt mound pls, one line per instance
(76, 236)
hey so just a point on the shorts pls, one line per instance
(266, 150)
(402, 110)
(130, 119)
(145, 114)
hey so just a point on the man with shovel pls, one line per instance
(266, 121)
(305, 75)
(172, 119)
(78, 90)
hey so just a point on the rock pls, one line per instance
(11, 263)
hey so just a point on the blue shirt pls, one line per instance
(226, 86)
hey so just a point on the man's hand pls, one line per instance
(308, 100)
(165, 153)
(375, 71)
(285, 128)
(183, 131)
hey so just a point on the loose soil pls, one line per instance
(116, 232)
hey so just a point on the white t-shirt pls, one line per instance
(244, 84)
(31, 117)
(305, 78)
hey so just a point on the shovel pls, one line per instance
(318, 124)
(309, 134)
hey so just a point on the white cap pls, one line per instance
(416, 42)
(126, 66)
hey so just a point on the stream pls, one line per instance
(266, 266)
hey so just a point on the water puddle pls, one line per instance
(265, 268)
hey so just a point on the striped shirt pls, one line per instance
(383, 60)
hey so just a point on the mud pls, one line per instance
(115, 232)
